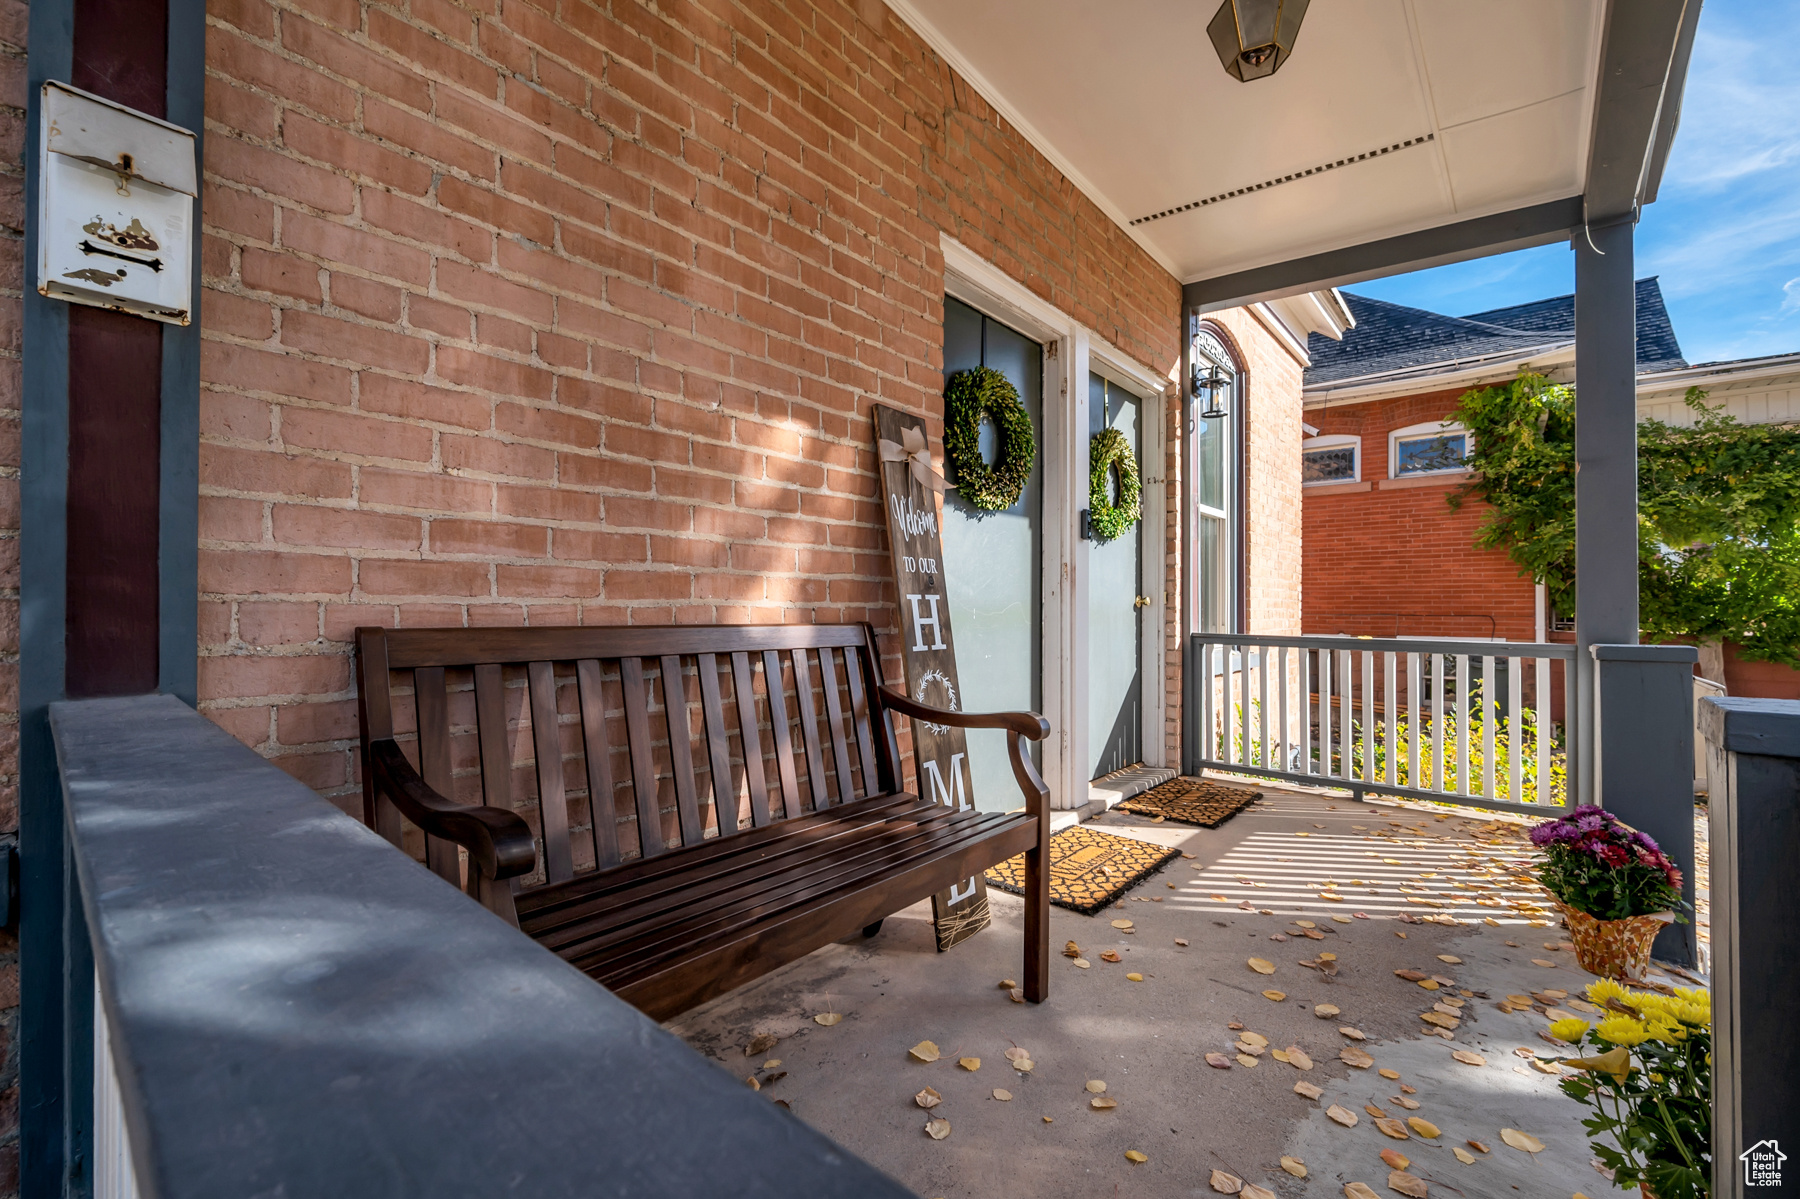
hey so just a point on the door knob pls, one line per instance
(1142, 601)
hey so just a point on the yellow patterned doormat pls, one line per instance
(1192, 801)
(1088, 868)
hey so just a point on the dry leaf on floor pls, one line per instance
(969, 1063)
(1423, 1127)
(1015, 1054)
(1352, 1056)
(1134, 977)
(1449, 957)
(924, 1051)
(1395, 1159)
(1262, 966)
(1439, 1019)
(1280, 1055)
(1226, 1184)
(772, 1064)
(1294, 1166)
(1121, 924)
(1375, 1111)
(1252, 1038)
(1411, 976)
(1325, 1011)
(928, 1098)
(1430, 984)
(1246, 1061)
(828, 1018)
(1393, 1128)
(1411, 1105)
(1101, 1103)
(1342, 1115)
(762, 1044)
(752, 1083)
(1546, 963)
(1310, 1090)
(1016, 995)
(1521, 1140)
(1007, 984)
(1355, 1034)
(1469, 1058)
(1463, 1155)
(1218, 1061)
(1109, 955)
(937, 1128)
(1082, 963)
(1407, 1184)
(1356, 1190)
(1181, 941)
(1252, 1191)
(1096, 1086)
(1390, 1075)
(1477, 1146)
(1136, 1158)
(1071, 950)
(1296, 1057)
(1274, 996)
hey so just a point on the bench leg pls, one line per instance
(872, 929)
(1037, 916)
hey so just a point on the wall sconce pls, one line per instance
(1211, 384)
(1254, 37)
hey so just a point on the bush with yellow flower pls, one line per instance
(1649, 1085)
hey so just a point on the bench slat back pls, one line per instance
(688, 720)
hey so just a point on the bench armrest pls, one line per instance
(499, 842)
(1020, 727)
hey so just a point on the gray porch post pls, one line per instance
(1606, 595)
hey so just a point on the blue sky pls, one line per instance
(1723, 235)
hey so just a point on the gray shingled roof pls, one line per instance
(1391, 337)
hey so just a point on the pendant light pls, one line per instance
(1254, 37)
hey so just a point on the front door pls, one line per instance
(1115, 682)
(993, 562)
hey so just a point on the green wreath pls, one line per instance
(972, 395)
(1110, 453)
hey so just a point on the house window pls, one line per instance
(1215, 507)
(1437, 447)
(1331, 459)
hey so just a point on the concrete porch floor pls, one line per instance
(1147, 1040)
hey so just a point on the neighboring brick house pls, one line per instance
(1382, 457)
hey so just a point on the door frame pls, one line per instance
(1071, 351)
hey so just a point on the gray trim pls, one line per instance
(178, 533)
(1646, 653)
(389, 1036)
(1668, 117)
(43, 553)
(1477, 237)
(1637, 54)
(1768, 727)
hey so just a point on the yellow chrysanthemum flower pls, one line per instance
(1697, 1014)
(1570, 1030)
(1694, 995)
(1645, 1002)
(1621, 1030)
(1604, 991)
(1661, 1028)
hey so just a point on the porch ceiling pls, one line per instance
(1464, 109)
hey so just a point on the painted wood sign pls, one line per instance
(912, 492)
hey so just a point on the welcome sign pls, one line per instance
(912, 495)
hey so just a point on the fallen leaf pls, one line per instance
(1406, 1184)
(1430, 984)
(1449, 957)
(772, 1063)
(1253, 1050)
(1393, 1128)
(1015, 1054)
(1411, 1105)
(1296, 1057)
(1310, 1090)
(1096, 1086)
(828, 1018)
(1218, 1061)
(937, 1128)
(1252, 1191)
(1463, 1155)
(762, 1044)
(1121, 924)
(1521, 1140)
(1024, 1065)
(1439, 1019)
(1341, 1115)
(1135, 1158)
(1246, 1061)
(1181, 942)
(1375, 1111)
(1262, 966)
(1544, 962)
(1422, 1126)
(1411, 976)
(924, 1051)
(1071, 950)
(1101, 1103)
(1083, 963)
(1294, 1166)
(1253, 1038)
(1016, 995)
(1275, 996)
(1356, 1190)
(1007, 984)
(970, 1064)
(1395, 1159)
(1002, 1096)
(1109, 955)
(1469, 1058)
(1477, 1146)
(1390, 1075)
(1345, 919)
(1280, 1055)
(1355, 1034)
(1136, 978)
(1352, 1056)
(752, 1083)
(1226, 1184)
(1325, 1011)
(928, 1098)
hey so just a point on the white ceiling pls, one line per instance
(1128, 98)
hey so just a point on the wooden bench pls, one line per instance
(810, 839)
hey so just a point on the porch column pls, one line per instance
(1606, 595)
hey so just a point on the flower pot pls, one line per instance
(1614, 948)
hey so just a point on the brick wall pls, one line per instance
(13, 19)
(1389, 556)
(556, 311)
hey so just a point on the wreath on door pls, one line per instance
(985, 393)
(1110, 454)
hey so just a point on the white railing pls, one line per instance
(1474, 723)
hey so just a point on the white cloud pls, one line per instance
(1790, 292)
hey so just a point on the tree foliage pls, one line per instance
(1718, 513)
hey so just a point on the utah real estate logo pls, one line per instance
(1762, 1164)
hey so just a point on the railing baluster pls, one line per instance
(1368, 713)
(1206, 705)
(1282, 730)
(1389, 735)
(1541, 714)
(1462, 724)
(1243, 758)
(1346, 668)
(1438, 723)
(1306, 709)
(1515, 729)
(1262, 706)
(1325, 712)
(1416, 726)
(1490, 716)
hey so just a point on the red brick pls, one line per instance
(392, 576)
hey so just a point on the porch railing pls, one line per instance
(1475, 723)
(285, 1004)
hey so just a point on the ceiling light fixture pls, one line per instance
(1254, 37)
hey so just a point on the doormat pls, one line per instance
(1192, 801)
(1088, 868)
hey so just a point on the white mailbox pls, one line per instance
(115, 207)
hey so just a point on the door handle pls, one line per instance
(1142, 601)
